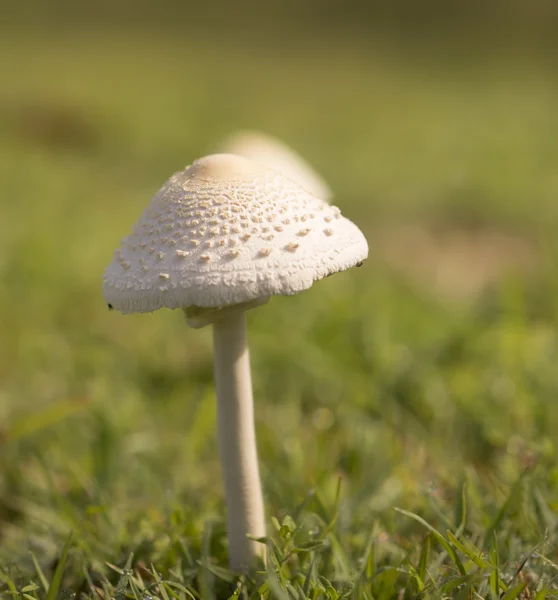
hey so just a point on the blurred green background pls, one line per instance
(436, 125)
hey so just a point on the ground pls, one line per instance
(406, 411)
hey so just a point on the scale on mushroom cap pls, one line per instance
(219, 238)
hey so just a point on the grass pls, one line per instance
(408, 443)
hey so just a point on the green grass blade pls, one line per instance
(495, 562)
(39, 571)
(468, 552)
(441, 539)
(424, 558)
(463, 501)
(54, 586)
(308, 579)
(514, 592)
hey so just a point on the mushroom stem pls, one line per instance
(237, 440)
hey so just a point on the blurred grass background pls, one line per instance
(432, 367)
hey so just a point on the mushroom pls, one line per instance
(274, 154)
(219, 238)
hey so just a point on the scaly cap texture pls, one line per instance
(225, 231)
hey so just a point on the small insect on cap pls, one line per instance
(227, 231)
(274, 154)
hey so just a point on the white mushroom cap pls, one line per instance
(274, 154)
(227, 231)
